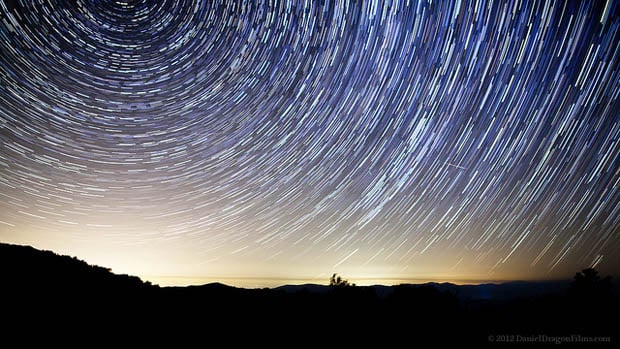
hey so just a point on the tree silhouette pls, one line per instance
(337, 281)
(588, 284)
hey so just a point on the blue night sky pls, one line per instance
(284, 140)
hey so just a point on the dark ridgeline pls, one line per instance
(42, 290)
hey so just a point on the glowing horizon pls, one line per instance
(270, 281)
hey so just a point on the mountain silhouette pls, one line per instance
(43, 290)
(25, 266)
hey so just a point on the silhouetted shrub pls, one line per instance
(588, 286)
(337, 281)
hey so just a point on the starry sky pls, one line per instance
(443, 140)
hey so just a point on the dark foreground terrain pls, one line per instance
(61, 297)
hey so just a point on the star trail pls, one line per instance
(445, 140)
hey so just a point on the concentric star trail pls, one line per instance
(445, 139)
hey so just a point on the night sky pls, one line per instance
(440, 140)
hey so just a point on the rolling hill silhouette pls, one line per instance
(25, 266)
(44, 290)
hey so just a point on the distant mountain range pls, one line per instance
(502, 291)
(41, 289)
(27, 264)
(37, 266)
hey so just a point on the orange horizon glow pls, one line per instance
(266, 282)
(167, 271)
